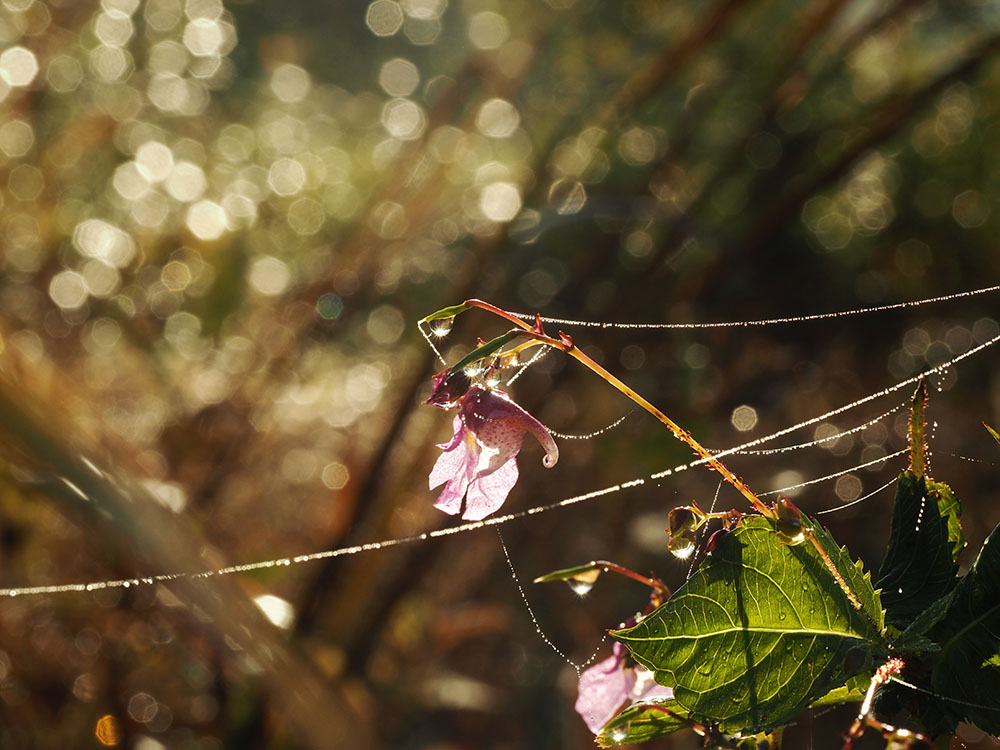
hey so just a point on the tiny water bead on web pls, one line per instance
(763, 322)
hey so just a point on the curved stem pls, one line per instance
(565, 344)
(654, 583)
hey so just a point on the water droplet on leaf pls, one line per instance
(583, 582)
(619, 733)
(580, 588)
(442, 327)
(788, 523)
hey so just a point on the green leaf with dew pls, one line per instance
(918, 568)
(760, 631)
(949, 507)
(853, 692)
(640, 723)
(568, 574)
(446, 312)
(481, 352)
(966, 672)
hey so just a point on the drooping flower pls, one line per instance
(609, 685)
(479, 464)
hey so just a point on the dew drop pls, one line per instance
(442, 327)
(475, 369)
(681, 546)
(782, 615)
(580, 588)
(493, 378)
(619, 733)
(705, 669)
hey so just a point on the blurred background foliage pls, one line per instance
(219, 222)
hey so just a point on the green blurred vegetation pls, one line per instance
(219, 222)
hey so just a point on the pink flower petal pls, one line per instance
(602, 690)
(609, 685)
(487, 491)
(453, 461)
(499, 422)
(459, 428)
(478, 463)
(457, 467)
(645, 688)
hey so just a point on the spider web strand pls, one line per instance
(472, 525)
(762, 322)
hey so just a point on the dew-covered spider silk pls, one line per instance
(479, 463)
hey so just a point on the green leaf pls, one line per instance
(446, 313)
(918, 568)
(914, 639)
(966, 672)
(926, 619)
(949, 507)
(640, 723)
(760, 631)
(992, 432)
(567, 574)
(485, 350)
(853, 692)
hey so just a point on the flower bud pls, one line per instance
(449, 386)
(715, 540)
(788, 525)
(684, 518)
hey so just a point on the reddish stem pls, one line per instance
(654, 583)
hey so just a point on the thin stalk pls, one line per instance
(654, 583)
(851, 597)
(565, 344)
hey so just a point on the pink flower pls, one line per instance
(479, 462)
(608, 685)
